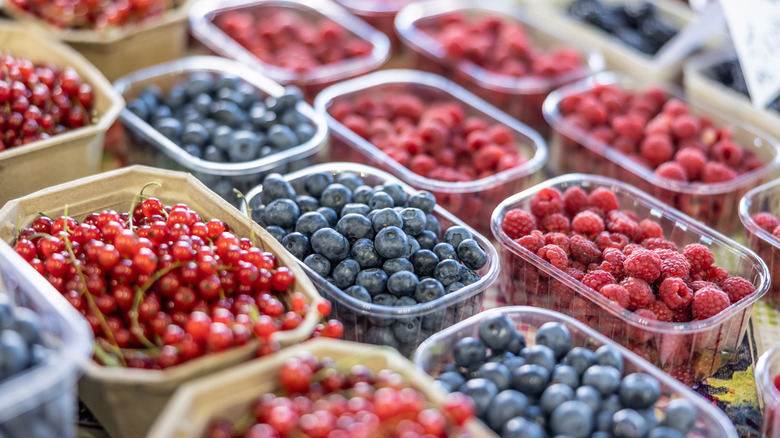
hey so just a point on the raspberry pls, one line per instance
(578, 265)
(776, 232)
(629, 126)
(587, 222)
(603, 199)
(648, 229)
(611, 240)
(692, 161)
(717, 275)
(654, 243)
(630, 248)
(555, 223)
(618, 222)
(767, 221)
(546, 201)
(615, 293)
(684, 127)
(727, 152)
(558, 239)
(673, 264)
(737, 288)
(583, 250)
(684, 373)
(701, 284)
(714, 172)
(576, 273)
(597, 279)
(645, 314)
(674, 293)
(708, 302)
(532, 242)
(574, 200)
(671, 170)
(660, 310)
(555, 255)
(613, 262)
(518, 223)
(656, 149)
(699, 256)
(639, 292)
(643, 264)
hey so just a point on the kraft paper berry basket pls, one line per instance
(126, 401)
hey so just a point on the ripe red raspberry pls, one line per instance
(587, 222)
(692, 161)
(737, 288)
(656, 149)
(684, 126)
(555, 223)
(583, 250)
(654, 243)
(675, 293)
(673, 264)
(560, 240)
(648, 229)
(660, 310)
(629, 126)
(575, 200)
(682, 314)
(766, 220)
(708, 302)
(684, 373)
(643, 264)
(716, 274)
(597, 279)
(615, 293)
(701, 284)
(606, 240)
(619, 222)
(714, 172)
(578, 274)
(518, 223)
(546, 201)
(613, 262)
(555, 255)
(603, 199)
(699, 256)
(639, 292)
(671, 170)
(532, 242)
(727, 152)
(631, 247)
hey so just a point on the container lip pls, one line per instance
(206, 32)
(676, 386)
(385, 77)
(225, 66)
(64, 362)
(380, 7)
(391, 311)
(413, 36)
(668, 212)
(747, 218)
(764, 378)
(551, 112)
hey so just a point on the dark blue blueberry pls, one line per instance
(336, 196)
(310, 222)
(358, 292)
(565, 374)
(554, 395)
(497, 373)
(380, 200)
(202, 104)
(396, 192)
(471, 254)
(139, 108)
(362, 195)
(260, 117)
(355, 208)
(282, 212)
(556, 336)
(282, 137)
(329, 214)
(275, 187)
(304, 132)
(385, 299)
(195, 133)
(540, 355)
(386, 217)
(414, 221)
(639, 391)
(605, 379)
(277, 232)
(229, 82)
(445, 251)
(345, 272)
(407, 330)
(680, 415)
(211, 153)
(447, 272)
(169, 127)
(412, 246)
(193, 150)
(297, 244)
(318, 263)
(365, 254)
(200, 83)
(428, 290)
(424, 262)
(452, 379)
(535, 414)
(402, 283)
(482, 392)
(456, 234)
(665, 432)
(452, 287)
(628, 423)
(604, 421)
(228, 113)
(316, 183)
(530, 379)
(245, 146)
(573, 418)
(159, 113)
(514, 362)
(433, 321)
(432, 224)
(519, 427)
(379, 335)
(500, 356)
(610, 404)
(506, 405)
(426, 239)
(330, 243)
(650, 417)
(6, 312)
(293, 118)
(392, 266)
(405, 302)
(423, 200)
(496, 331)
(14, 353)
(390, 242)
(307, 203)
(223, 137)
(580, 359)
(350, 179)
(469, 352)
(517, 344)
(354, 226)
(177, 96)
(374, 280)
(608, 356)
(467, 276)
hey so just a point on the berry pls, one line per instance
(518, 223)
(639, 292)
(643, 264)
(699, 256)
(587, 222)
(616, 293)
(545, 202)
(675, 293)
(555, 255)
(603, 199)
(766, 220)
(737, 288)
(708, 302)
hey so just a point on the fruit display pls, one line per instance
(767, 372)
(368, 239)
(434, 136)
(536, 373)
(79, 14)
(678, 151)
(618, 260)
(510, 60)
(379, 14)
(219, 120)
(310, 44)
(759, 215)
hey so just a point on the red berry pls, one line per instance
(518, 223)
(643, 264)
(737, 288)
(708, 302)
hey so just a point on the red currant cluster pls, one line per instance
(162, 286)
(323, 398)
(39, 101)
(96, 14)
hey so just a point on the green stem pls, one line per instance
(139, 296)
(138, 197)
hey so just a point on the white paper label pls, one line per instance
(755, 31)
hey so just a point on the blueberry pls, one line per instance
(355, 227)
(396, 192)
(392, 266)
(307, 203)
(516, 344)
(6, 312)
(310, 222)
(245, 146)
(282, 137)
(226, 112)
(506, 405)
(365, 254)
(350, 179)
(362, 195)
(412, 246)
(573, 418)
(297, 244)
(355, 208)
(390, 242)
(424, 262)
(514, 362)
(519, 427)
(590, 396)
(471, 254)
(14, 353)
(608, 356)
(605, 379)
(428, 290)
(565, 374)
(555, 395)
(199, 83)
(469, 352)
(223, 137)
(456, 234)
(445, 251)
(427, 239)
(176, 97)
(336, 196)
(530, 379)
(358, 292)
(580, 359)
(169, 127)
(414, 221)
(385, 299)
(139, 108)
(195, 133)
(650, 417)
(497, 373)
(275, 187)
(381, 336)
(540, 355)
(304, 132)
(402, 283)
(432, 224)
(202, 104)
(665, 432)
(604, 421)
(386, 217)
(211, 153)
(318, 263)
(423, 200)
(482, 392)
(628, 423)
(611, 404)
(452, 287)
(345, 272)
(556, 336)
(452, 379)
(330, 243)
(405, 302)
(282, 212)
(380, 200)
(496, 331)
(374, 280)
(193, 150)
(316, 183)
(680, 415)
(535, 414)
(467, 276)
(329, 214)
(277, 232)
(407, 330)
(639, 391)
(260, 117)
(293, 118)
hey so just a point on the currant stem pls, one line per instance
(138, 196)
(139, 296)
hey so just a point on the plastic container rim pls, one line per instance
(764, 380)
(390, 311)
(382, 8)
(747, 219)
(218, 65)
(430, 80)
(202, 12)
(551, 112)
(667, 212)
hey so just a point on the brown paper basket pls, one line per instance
(121, 51)
(228, 395)
(63, 157)
(126, 401)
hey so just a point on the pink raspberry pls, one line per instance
(673, 264)
(613, 262)
(639, 292)
(727, 152)
(583, 250)
(716, 274)
(692, 161)
(578, 274)
(660, 310)
(555, 223)
(574, 200)
(606, 240)
(682, 314)
(619, 222)
(597, 279)
(671, 170)
(766, 220)
(656, 149)
(776, 232)
(643, 264)
(714, 172)
(546, 201)
(654, 243)
(708, 302)
(675, 293)
(645, 314)
(615, 293)
(631, 247)
(518, 223)
(560, 240)
(532, 242)
(699, 256)
(555, 255)
(587, 222)
(603, 199)
(737, 288)
(684, 127)
(629, 126)
(648, 229)
(701, 284)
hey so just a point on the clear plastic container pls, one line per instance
(41, 401)
(364, 322)
(521, 97)
(764, 198)
(574, 150)
(378, 13)
(436, 352)
(471, 201)
(767, 368)
(312, 81)
(150, 147)
(689, 351)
